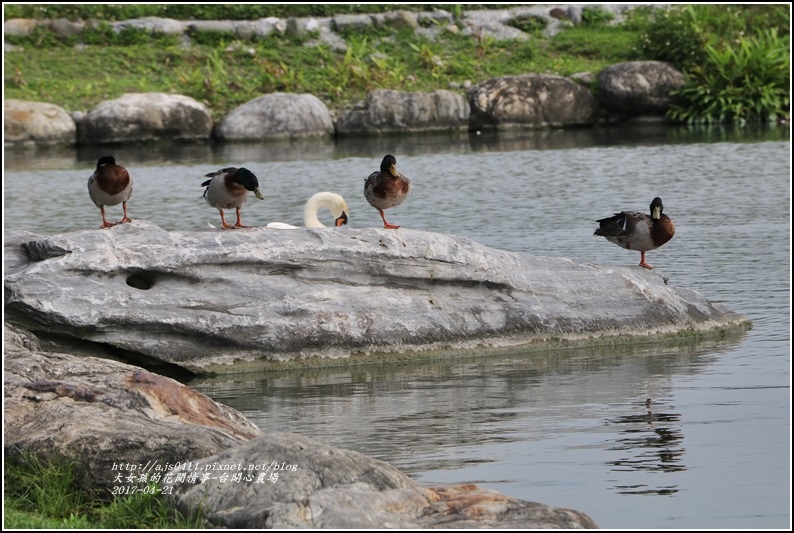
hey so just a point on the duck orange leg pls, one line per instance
(386, 224)
(239, 221)
(105, 223)
(643, 263)
(223, 219)
(126, 218)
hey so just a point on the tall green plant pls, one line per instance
(741, 81)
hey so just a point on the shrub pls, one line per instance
(740, 81)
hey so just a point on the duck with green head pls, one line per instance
(228, 188)
(633, 230)
(386, 188)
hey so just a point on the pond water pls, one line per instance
(687, 434)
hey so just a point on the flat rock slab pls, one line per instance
(221, 301)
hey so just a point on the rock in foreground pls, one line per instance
(228, 301)
(297, 482)
(128, 431)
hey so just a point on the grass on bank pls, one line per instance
(44, 495)
(735, 57)
(224, 72)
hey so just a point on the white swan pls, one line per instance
(328, 200)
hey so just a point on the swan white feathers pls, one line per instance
(322, 200)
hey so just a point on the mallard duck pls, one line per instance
(633, 230)
(328, 200)
(228, 188)
(110, 184)
(386, 188)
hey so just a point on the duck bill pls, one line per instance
(393, 171)
(656, 213)
(258, 194)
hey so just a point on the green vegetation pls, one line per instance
(735, 64)
(45, 495)
(114, 12)
(736, 58)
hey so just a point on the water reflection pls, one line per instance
(451, 415)
(22, 158)
(651, 442)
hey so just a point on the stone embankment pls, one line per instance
(531, 101)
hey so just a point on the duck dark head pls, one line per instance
(389, 165)
(105, 160)
(249, 181)
(656, 208)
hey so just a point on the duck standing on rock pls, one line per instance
(386, 188)
(110, 184)
(228, 188)
(633, 230)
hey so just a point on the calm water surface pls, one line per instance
(688, 434)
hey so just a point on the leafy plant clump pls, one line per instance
(735, 60)
(744, 81)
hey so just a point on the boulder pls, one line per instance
(276, 116)
(220, 301)
(153, 25)
(19, 27)
(638, 87)
(146, 117)
(104, 414)
(287, 481)
(37, 123)
(389, 111)
(530, 101)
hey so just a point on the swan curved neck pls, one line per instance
(317, 202)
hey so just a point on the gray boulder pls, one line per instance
(530, 101)
(389, 111)
(352, 23)
(220, 301)
(66, 28)
(287, 481)
(146, 117)
(153, 25)
(19, 27)
(105, 414)
(276, 116)
(37, 123)
(638, 87)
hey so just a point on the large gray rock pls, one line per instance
(530, 101)
(19, 27)
(388, 111)
(276, 116)
(37, 123)
(638, 87)
(225, 301)
(287, 481)
(153, 25)
(103, 414)
(146, 117)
